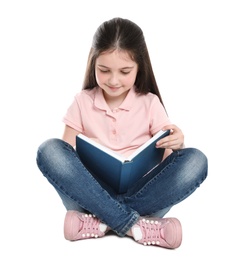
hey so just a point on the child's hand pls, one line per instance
(174, 141)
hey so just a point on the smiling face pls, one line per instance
(115, 74)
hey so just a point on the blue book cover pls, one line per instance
(115, 170)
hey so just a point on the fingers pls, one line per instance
(173, 141)
(169, 142)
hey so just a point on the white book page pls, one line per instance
(115, 154)
(142, 147)
(103, 148)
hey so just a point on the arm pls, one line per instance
(69, 135)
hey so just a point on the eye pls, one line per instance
(125, 72)
(104, 71)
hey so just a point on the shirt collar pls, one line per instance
(100, 102)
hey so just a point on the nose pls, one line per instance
(113, 79)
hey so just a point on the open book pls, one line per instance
(115, 170)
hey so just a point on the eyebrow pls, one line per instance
(99, 65)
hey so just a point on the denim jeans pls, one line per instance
(172, 181)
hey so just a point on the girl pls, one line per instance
(120, 106)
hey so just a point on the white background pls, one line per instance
(194, 47)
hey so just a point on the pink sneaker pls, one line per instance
(164, 232)
(79, 225)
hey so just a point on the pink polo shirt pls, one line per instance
(123, 129)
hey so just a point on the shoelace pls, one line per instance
(90, 226)
(151, 231)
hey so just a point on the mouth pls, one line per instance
(114, 88)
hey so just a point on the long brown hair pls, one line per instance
(122, 34)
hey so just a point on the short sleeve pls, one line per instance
(158, 115)
(73, 117)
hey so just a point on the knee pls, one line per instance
(48, 149)
(198, 156)
(198, 162)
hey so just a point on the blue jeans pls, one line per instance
(172, 181)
